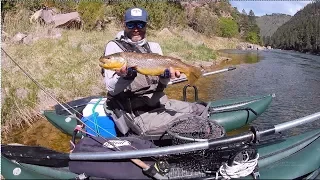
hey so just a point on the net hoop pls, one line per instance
(193, 124)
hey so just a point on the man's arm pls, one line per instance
(115, 84)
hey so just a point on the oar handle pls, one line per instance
(290, 124)
(287, 125)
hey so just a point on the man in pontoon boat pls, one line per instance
(141, 96)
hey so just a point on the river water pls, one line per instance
(293, 77)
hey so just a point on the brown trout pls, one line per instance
(149, 64)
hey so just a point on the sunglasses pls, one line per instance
(132, 25)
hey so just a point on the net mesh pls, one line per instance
(193, 128)
(189, 129)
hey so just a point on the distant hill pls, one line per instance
(301, 32)
(268, 24)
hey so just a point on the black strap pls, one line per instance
(147, 48)
(121, 45)
(128, 47)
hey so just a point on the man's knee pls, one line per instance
(197, 108)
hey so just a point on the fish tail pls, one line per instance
(193, 75)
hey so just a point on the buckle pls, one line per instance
(82, 176)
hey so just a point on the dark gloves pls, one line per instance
(131, 74)
(155, 172)
(166, 74)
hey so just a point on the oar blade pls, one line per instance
(35, 155)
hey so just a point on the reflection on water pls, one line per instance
(41, 133)
(205, 85)
(240, 56)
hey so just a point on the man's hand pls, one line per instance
(153, 172)
(131, 73)
(123, 71)
(170, 73)
(128, 73)
(174, 73)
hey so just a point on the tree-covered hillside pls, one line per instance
(248, 27)
(301, 32)
(268, 24)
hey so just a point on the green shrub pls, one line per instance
(118, 9)
(204, 22)
(164, 14)
(30, 5)
(229, 28)
(8, 6)
(253, 37)
(91, 12)
(218, 7)
(66, 6)
(161, 13)
(17, 21)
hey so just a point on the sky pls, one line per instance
(261, 8)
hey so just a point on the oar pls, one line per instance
(179, 80)
(161, 151)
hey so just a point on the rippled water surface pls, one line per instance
(293, 77)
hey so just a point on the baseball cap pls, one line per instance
(136, 14)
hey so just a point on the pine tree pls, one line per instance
(252, 17)
(244, 12)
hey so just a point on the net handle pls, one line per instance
(185, 138)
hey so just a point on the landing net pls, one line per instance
(188, 129)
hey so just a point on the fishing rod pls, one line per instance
(252, 136)
(179, 80)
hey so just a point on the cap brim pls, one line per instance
(135, 19)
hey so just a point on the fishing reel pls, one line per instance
(158, 170)
(242, 153)
(162, 166)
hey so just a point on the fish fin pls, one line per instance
(193, 75)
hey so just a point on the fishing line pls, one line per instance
(70, 107)
(138, 162)
(45, 91)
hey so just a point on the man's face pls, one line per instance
(135, 30)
